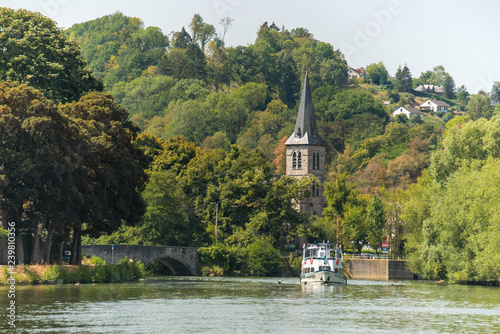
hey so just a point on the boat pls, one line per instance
(321, 264)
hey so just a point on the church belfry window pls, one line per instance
(317, 161)
(294, 158)
(299, 161)
(314, 160)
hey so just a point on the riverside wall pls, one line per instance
(378, 269)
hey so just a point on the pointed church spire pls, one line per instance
(305, 132)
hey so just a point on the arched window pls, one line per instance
(299, 161)
(313, 190)
(317, 191)
(299, 133)
(314, 160)
(317, 161)
(294, 163)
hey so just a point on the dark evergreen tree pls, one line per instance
(403, 80)
(449, 87)
(181, 39)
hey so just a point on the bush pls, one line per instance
(96, 260)
(293, 266)
(129, 269)
(52, 273)
(227, 258)
(264, 259)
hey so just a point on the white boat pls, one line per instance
(323, 265)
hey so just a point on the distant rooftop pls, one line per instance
(430, 89)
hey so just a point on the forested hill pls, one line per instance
(190, 83)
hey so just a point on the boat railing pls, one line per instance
(370, 256)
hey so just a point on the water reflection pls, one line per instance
(254, 305)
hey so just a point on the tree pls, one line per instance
(479, 106)
(112, 176)
(403, 80)
(455, 230)
(41, 154)
(495, 92)
(376, 222)
(449, 87)
(168, 210)
(347, 208)
(202, 32)
(181, 39)
(177, 152)
(37, 53)
(352, 102)
(377, 73)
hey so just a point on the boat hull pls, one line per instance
(323, 277)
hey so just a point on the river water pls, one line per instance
(254, 305)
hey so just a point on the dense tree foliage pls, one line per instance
(377, 73)
(119, 48)
(67, 168)
(214, 122)
(37, 53)
(454, 230)
(403, 80)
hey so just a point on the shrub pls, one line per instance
(227, 258)
(96, 260)
(130, 269)
(264, 259)
(52, 273)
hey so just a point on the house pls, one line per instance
(432, 89)
(435, 105)
(356, 73)
(408, 111)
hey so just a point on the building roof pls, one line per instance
(305, 132)
(430, 89)
(439, 103)
(411, 110)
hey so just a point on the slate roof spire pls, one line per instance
(305, 132)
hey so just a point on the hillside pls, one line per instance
(194, 98)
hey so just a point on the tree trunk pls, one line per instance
(3, 240)
(36, 252)
(76, 248)
(19, 249)
(60, 258)
(79, 248)
(48, 244)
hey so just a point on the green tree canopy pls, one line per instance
(403, 79)
(37, 53)
(480, 106)
(377, 73)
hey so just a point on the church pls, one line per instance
(305, 153)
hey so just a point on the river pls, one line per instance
(254, 305)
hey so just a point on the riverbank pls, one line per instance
(124, 271)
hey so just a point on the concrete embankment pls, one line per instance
(381, 269)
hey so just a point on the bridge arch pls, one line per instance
(182, 261)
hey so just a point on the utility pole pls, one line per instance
(216, 219)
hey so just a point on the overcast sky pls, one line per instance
(457, 34)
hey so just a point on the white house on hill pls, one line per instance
(435, 105)
(356, 73)
(408, 111)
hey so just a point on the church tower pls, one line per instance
(305, 153)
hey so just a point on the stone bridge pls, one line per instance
(182, 261)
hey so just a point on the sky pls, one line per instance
(423, 34)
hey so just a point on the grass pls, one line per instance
(125, 270)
